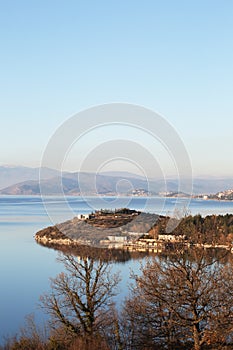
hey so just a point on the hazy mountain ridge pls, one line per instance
(25, 181)
(84, 183)
(11, 175)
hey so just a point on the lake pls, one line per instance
(25, 267)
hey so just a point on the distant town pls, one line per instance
(224, 195)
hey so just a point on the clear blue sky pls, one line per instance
(175, 57)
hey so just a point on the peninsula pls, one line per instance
(105, 228)
(134, 230)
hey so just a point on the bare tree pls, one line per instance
(80, 298)
(31, 337)
(182, 302)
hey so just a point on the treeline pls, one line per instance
(180, 301)
(212, 229)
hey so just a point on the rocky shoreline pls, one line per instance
(112, 229)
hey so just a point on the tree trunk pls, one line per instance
(196, 339)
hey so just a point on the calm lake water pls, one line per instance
(25, 267)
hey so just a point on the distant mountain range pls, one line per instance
(86, 183)
(25, 181)
(10, 175)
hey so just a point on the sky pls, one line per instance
(173, 57)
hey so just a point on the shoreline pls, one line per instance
(196, 197)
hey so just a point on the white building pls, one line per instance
(83, 216)
(119, 239)
(171, 238)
